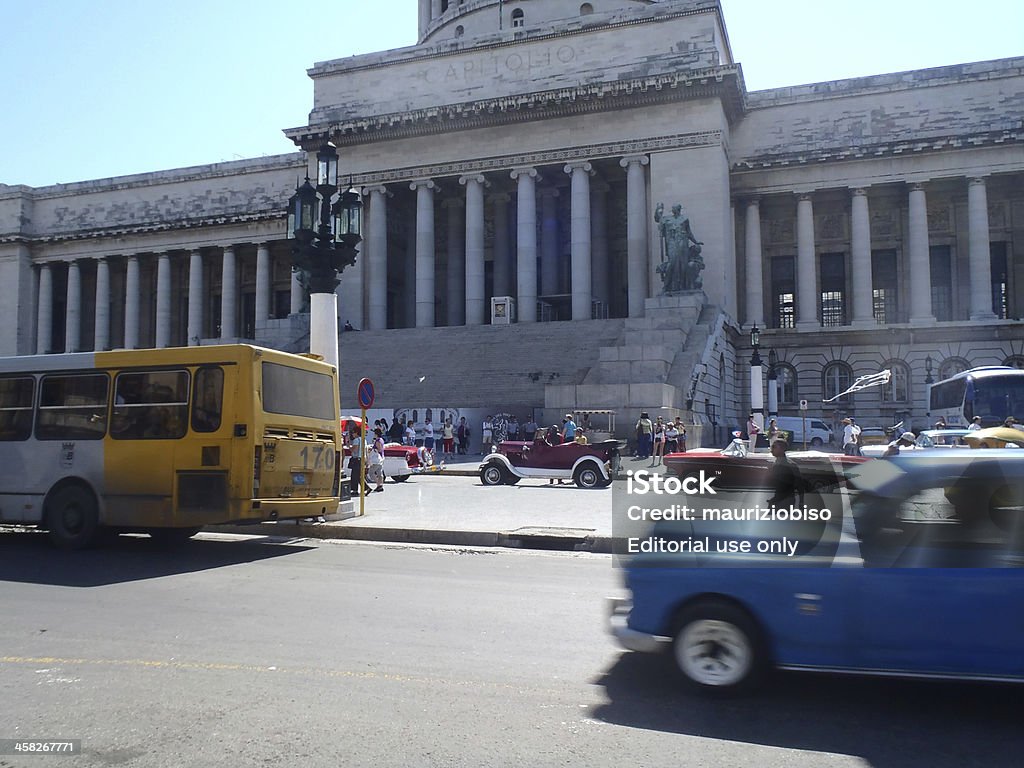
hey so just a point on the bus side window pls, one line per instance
(150, 405)
(16, 408)
(207, 399)
(72, 407)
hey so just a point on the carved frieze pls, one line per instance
(884, 223)
(781, 231)
(831, 226)
(939, 218)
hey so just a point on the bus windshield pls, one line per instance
(997, 397)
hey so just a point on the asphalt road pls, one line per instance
(239, 653)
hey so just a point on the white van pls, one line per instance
(818, 432)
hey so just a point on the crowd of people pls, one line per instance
(656, 438)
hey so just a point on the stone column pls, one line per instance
(636, 232)
(424, 252)
(548, 241)
(228, 289)
(44, 323)
(131, 303)
(435, 9)
(455, 275)
(581, 266)
(526, 244)
(73, 320)
(806, 267)
(262, 286)
(101, 336)
(163, 300)
(409, 275)
(195, 297)
(980, 258)
(599, 240)
(920, 259)
(754, 264)
(298, 294)
(502, 266)
(377, 259)
(475, 289)
(424, 15)
(860, 256)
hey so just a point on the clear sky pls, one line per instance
(98, 88)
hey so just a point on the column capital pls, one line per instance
(973, 181)
(629, 160)
(859, 191)
(422, 183)
(479, 178)
(529, 172)
(379, 189)
(579, 165)
(263, 244)
(917, 186)
(805, 195)
(750, 202)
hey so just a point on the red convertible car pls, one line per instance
(589, 466)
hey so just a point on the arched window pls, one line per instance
(836, 378)
(898, 388)
(1014, 361)
(785, 377)
(518, 18)
(951, 366)
(586, 9)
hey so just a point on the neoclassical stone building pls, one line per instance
(520, 149)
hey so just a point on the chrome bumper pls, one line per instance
(630, 639)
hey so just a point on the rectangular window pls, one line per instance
(296, 392)
(208, 399)
(885, 298)
(16, 408)
(72, 407)
(942, 282)
(1000, 281)
(150, 405)
(783, 292)
(833, 289)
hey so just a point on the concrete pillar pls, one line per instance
(754, 264)
(636, 232)
(262, 286)
(101, 336)
(526, 244)
(435, 9)
(424, 15)
(377, 259)
(131, 303)
(806, 267)
(580, 239)
(195, 297)
(44, 323)
(455, 275)
(599, 241)
(549, 241)
(409, 292)
(860, 256)
(475, 289)
(73, 319)
(920, 259)
(163, 300)
(424, 252)
(502, 264)
(228, 290)
(980, 250)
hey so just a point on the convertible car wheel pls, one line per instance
(589, 476)
(492, 474)
(717, 647)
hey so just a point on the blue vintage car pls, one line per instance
(924, 578)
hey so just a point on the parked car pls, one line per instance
(590, 466)
(812, 431)
(930, 584)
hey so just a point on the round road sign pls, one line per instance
(364, 393)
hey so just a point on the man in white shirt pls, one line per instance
(975, 424)
(851, 438)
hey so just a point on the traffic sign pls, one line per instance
(364, 393)
(803, 405)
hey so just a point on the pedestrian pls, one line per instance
(513, 428)
(784, 478)
(375, 462)
(410, 433)
(428, 435)
(851, 437)
(975, 424)
(905, 440)
(671, 438)
(568, 429)
(397, 431)
(448, 439)
(753, 430)
(530, 430)
(462, 435)
(681, 439)
(773, 432)
(644, 433)
(486, 435)
(658, 438)
(355, 468)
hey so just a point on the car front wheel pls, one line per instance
(816, 442)
(492, 474)
(589, 476)
(717, 648)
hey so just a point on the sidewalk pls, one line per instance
(451, 507)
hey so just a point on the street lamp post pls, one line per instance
(773, 385)
(325, 236)
(756, 381)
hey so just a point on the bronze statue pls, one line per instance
(681, 260)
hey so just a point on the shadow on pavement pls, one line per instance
(28, 557)
(887, 723)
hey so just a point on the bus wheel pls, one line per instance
(170, 537)
(72, 517)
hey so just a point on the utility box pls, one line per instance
(503, 310)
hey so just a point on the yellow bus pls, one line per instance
(166, 441)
